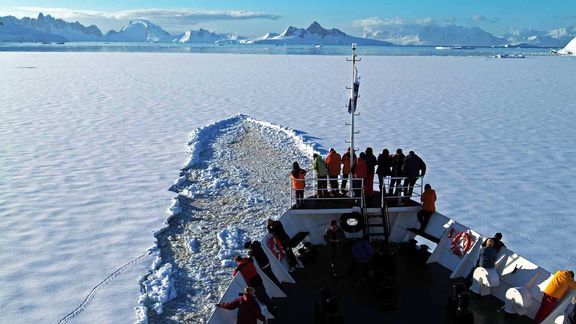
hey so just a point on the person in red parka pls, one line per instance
(253, 279)
(248, 309)
(359, 170)
(333, 160)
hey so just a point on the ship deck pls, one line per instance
(401, 289)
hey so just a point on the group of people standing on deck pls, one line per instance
(247, 304)
(397, 167)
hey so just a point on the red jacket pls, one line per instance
(247, 269)
(248, 309)
(360, 169)
(333, 161)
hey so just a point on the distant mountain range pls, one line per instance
(46, 28)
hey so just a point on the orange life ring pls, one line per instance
(456, 248)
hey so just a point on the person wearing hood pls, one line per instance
(413, 168)
(384, 168)
(346, 170)
(359, 170)
(319, 166)
(248, 309)
(333, 160)
(397, 174)
(298, 183)
(371, 163)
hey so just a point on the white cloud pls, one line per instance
(375, 22)
(175, 19)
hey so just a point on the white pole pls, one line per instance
(353, 111)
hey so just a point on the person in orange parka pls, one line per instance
(298, 183)
(428, 200)
(359, 170)
(333, 160)
(561, 282)
(346, 170)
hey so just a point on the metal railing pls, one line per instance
(398, 188)
(393, 188)
(354, 190)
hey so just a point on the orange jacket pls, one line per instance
(333, 160)
(298, 183)
(560, 284)
(428, 200)
(346, 163)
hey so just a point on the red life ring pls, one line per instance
(276, 248)
(467, 243)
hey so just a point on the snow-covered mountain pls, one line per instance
(140, 31)
(434, 35)
(11, 31)
(205, 36)
(314, 35)
(46, 29)
(569, 49)
(553, 38)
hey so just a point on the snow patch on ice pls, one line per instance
(159, 289)
(231, 241)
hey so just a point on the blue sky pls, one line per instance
(256, 17)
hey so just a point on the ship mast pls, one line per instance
(352, 110)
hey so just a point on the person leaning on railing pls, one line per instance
(298, 183)
(396, 183)
(371, 163)
(359, 171)
(333, 160)
(384, 168)
(559, 285)
(321, 173)
(248, 308)
(345, 170)
(412, 168)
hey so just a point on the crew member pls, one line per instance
(561, 282)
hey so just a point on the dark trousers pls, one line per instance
(333, 183)
(322, 187)
(393, 189)
(344, 182)
(268, 271)
(546, 307)
(357, 185)
(299, 197)
(261, 295)
(424, 218)
(291, 258)
(409, 186)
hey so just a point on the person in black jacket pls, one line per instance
(384, 168)
(371, 163)
(397, 162)
(256, 252)
(412, 168)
